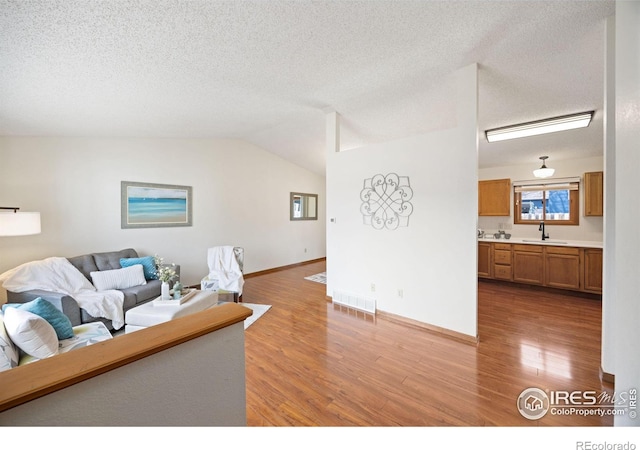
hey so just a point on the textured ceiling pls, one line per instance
(267, 71)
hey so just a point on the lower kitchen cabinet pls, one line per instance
(528, 264)
(502, 261)
(562, 267)
(484, 260)
(593, 270)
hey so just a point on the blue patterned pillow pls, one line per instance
(43, 308)
(148, 265)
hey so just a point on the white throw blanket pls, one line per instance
(57, 274)
(224, 267)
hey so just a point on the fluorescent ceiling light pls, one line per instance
(552, 125)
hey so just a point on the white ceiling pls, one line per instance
(266, 71)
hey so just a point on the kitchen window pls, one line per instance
(555, 201)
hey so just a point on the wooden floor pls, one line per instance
(310, 363)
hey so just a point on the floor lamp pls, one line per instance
(14, 223)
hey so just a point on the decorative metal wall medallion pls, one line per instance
(385, 201)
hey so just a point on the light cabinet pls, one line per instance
(484, 260)
(502, 261)
(494, 197)
(528, 264)
(593, 270)
(562, 267)
(594, 194)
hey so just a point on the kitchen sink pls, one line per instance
(546, 241)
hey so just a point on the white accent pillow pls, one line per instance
(126, 277)
(31, 333)
(8, 352)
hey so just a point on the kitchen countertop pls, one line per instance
(551, 241)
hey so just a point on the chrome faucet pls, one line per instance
(541, 228)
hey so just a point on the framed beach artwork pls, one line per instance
(148, 205)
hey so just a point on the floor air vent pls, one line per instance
(354, 301)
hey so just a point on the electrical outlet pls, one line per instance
(305, 250)
(400, 293)
(373, 287)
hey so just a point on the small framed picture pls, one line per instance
(149, 205)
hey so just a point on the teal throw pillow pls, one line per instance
(148, 265)
(43, 308)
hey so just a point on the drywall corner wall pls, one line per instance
(627, 214)
(240, 197)
(609, 237)
(425, 271)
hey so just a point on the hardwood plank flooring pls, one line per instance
(312, 363)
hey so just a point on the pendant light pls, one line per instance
(544, 171)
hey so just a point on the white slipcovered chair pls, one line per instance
(226, 265)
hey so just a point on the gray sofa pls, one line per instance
(86, 264)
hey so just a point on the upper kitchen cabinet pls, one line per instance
(494, 197)
(593, 193)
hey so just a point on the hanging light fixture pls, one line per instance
(16, 223)
(544, 171)
(552, 125)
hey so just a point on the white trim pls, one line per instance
(548, 181)
(552, 184)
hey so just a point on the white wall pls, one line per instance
(609, 247)
(240, 197)
(627, 207)
(589, 229)
(430, 259)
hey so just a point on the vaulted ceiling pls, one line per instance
(268, 71)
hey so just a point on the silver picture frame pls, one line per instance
(153, 205)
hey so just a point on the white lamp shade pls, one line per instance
(19, 223)
(543, 172)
